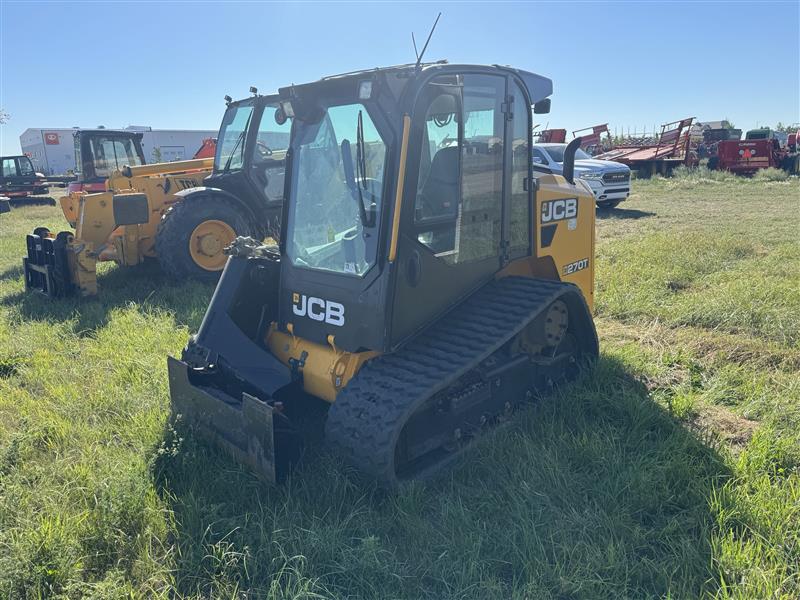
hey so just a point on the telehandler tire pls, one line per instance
(192, 235)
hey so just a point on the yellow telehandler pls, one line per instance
(181, 213)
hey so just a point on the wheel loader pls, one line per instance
(182, 213)
(425, 283)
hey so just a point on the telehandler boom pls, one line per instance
(424, 285)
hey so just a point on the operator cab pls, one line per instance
(251, 152)
(100, 152)
(19, 178)
(449, 209)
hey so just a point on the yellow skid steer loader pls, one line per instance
(425, 283)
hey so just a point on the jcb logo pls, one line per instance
(559, 210)
(318, 309)
(185, 184)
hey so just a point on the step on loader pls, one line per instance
(425, 283)
(181, 213)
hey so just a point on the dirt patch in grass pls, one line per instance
(733, 430)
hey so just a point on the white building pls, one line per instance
(52, 151)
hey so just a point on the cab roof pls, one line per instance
(539, 87)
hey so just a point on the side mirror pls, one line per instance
(569, 159)
(538, 160)
(542, 107)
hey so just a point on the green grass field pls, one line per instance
(672, 471)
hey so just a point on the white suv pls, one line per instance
(610, 181)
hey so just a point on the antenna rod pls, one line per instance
(413, 41)
(425, 47)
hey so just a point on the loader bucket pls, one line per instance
(243, 428)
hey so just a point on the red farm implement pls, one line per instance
(551, 136)
(761, 149)
(672, 148)
(592, 140)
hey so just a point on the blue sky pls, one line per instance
(168, 64)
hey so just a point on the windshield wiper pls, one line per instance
(236, 145)
(355, 188)
(361, 158)
(358, 180)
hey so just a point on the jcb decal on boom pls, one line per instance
(185, 184)
(318, 309)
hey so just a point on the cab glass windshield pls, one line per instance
(231, 139)
(337, 168)
(112, 154)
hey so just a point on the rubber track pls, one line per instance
(365, 422)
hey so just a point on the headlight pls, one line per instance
(591, 175)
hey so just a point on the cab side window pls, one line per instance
(103, 150)
(438, 186)
(9, 167)
(272, 138)
(24, 166)
(458, 208)
(269, 153)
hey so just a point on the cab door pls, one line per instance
(518, 217)
(8, 174)
(454, 227)
(267, 163)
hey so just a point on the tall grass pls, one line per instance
(671, 471)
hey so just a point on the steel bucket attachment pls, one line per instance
(243, 428)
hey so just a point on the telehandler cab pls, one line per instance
(424, 285)
(182, 213)
(100, 152)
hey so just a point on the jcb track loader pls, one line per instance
(182, 213)
(424, 285)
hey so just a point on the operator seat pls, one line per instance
(439, 199)
(439, 195)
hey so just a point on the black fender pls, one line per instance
(190, 194)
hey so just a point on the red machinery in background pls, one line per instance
(208, 149)
(673, 148)
(551, 136)
(761, 149)
(594, 143)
